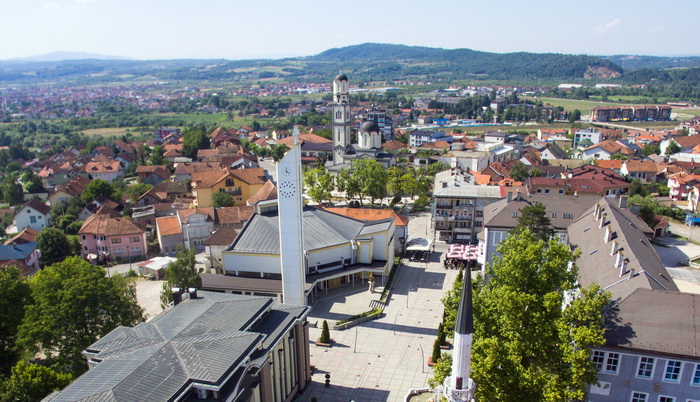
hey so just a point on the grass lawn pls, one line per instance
(109, 131)
(584, 106)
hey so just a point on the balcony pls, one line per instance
(463, 217)
(462, 230)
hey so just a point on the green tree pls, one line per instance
(372, 178)
(325, 333)
(32, 382)
(137, 190)
(450, 302)
(278, 152)
(194, 139)
(32, 183)
(650, 149)
(518, 172)
(74, 306)
(319, 184)
(441, 370)
(575, 116)
(534, 218)
(436, 350)
(12, 191)
(156, 157)
(526, 345)
(638, 188)
(221, 199)
(16, 295)
(349, 184)
(97, 188)
(673, 148)
(180, 273)
(53, 244)
(618, 156)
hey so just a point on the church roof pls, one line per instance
(321, 229)
(369, 127)
(341, 77)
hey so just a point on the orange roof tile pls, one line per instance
(370, 214)
(168, 225)
(105, 225)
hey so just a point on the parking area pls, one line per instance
(148, 296)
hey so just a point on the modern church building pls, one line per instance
(292, 252)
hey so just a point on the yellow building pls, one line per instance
(241, 184)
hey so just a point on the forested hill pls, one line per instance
(632, 62)
(462, 63)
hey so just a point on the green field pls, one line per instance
(109, 131)
(584, 106)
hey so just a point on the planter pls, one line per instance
(430, 361)
(360, 320)
(325, 345)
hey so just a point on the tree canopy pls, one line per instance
(526, 345)
(673, 148)
(221, 199)
(32, 382)
(74, 305)
(319, 184)
(97, 188)
(16, 295)
(180, 273)
(53, 244)
(534, 218)
(193, 139)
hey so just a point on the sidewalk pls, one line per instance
(381, 360)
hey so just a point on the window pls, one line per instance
(546, 191)
(639, 397)
(83, 237)
(85, 248)
(561, 191)
(612, 362)
(663, 398)
(118, 250)
(606, 362)
(499, 237)
(116, 240)
(136, 249)
(598, 358)
(696, 376)
(103, 238)
(646, 367)
(32, 219)
(134, 239)
(539, 191)
(673, 371)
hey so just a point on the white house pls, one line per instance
(594, 136)
(34, 214)
(108, 171)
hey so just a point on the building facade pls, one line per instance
(341, 117)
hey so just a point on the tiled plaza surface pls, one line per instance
(381, 360)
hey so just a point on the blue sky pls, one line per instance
(235, 29)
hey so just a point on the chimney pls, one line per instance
(192, 292)
(602, 221)
(608, 234)
(596, 213)
(623, 201)
(623, 267)
(618, 259)
(510, 196)
(614, 248)
(177, 296)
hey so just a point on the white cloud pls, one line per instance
(51, 6)
(657, 28)
(605, 28)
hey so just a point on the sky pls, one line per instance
(235, 29)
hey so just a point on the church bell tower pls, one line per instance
(341, 117)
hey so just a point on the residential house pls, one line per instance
(420, 137)
(215, 245)
(606, 149)
(102, 204)
(553, 152)
(502, 216)
(587, 135)
(586, 180)
(71, 189)
(209, 346)
(680, 185)
(642, 170)
(613, 164)
(104, 238)
(34, 214)
(241, 184)
(267, 192)
(169, 233)
(459, 204)
(108, 171)
(197, 224)
(27, 235)
(24, 256)
(686, 143)
(184, 171)
(233, 217)
(152, 174)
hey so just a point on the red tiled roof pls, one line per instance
(168, 225)
(105, 225)
(370, 214)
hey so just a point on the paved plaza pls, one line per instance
(381, 360)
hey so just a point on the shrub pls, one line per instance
(436, 350)
(374, 311)
(325, 333)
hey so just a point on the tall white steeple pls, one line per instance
(291, 204)
(458, 386)
(341, 117)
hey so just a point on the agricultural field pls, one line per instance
(584, 106)
(109, 131)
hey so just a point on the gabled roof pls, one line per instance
(16, 251)
(640, 166)
(232, 215)
(687, 141)
(612, 147)
(103, 167)
(208, 211)
(104, 225)
(393, 145)
(267, 192)
(504, 215)
(75, 186)
(168, 225)
(610, 163)
(27, 235)
(289, 141)
(38, 206)
(597, 262)
(661, 322)
(221, 237)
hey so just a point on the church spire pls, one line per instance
(465, 315)
(458, 386)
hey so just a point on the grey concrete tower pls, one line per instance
(458, 386)
(341, 117)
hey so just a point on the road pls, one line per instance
(675, 257)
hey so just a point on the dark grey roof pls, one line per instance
(465, 315)
(500, 214)
(369, 127)
(596, 264)
(17, 251)
(341, 77)
(657, 321)
(321, 229)
(199, 340)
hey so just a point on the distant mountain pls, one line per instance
(633, 62)
(60, 56)
(462, 63)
